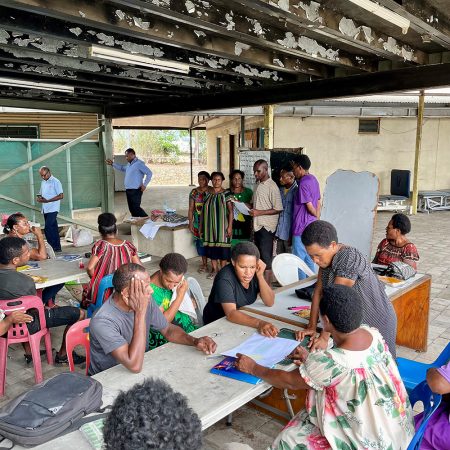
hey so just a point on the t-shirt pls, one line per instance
(267, 196)
(111, 327)
(308, 192)
(14, 284)
(228, 289)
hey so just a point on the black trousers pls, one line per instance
(134, 197)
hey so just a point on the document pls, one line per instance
(265, 351)
(242, 208)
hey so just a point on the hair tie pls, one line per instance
(4, 220)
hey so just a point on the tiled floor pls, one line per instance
(431, 234)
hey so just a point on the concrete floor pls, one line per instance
(431, 234)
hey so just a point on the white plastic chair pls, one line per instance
(285, 268)
(197, 293)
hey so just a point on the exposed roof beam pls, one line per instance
(102, 16)
(50, 105)
(362, 84)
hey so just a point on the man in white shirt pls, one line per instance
(50, 195)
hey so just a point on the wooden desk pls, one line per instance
(411, 302)
(186, 369)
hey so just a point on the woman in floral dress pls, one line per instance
(196, 199)
(356, 398)
(170, 276)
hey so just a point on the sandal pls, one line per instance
(202, 269)
(211, 275)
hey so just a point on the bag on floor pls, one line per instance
(81, 237)
(50, 409)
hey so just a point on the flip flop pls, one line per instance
(211, 275)
(202, 269)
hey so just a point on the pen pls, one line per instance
(298, 308)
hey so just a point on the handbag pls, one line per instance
(400, 270)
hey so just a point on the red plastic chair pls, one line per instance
(78, 334)
(19, 333)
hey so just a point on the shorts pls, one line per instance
(55, 317)
(264, 241)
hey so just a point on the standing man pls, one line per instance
(50, 195)
(306, 208)
(267, 206)
(135, 171)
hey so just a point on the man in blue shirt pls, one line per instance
(50, 195)
(135, 185)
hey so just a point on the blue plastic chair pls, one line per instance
(431, 401)
(106, 283)
(413, 372)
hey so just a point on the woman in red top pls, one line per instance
(396, 247)
(108, 254)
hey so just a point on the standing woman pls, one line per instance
(108, 254)
(216, 224)
(242, 224)
(196, 199)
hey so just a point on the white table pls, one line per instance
(186, 369)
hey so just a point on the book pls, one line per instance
(227, 368)
(32, 265)
(68, 257)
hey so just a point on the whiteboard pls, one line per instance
(350, 202)
(247, 159)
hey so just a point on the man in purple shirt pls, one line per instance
(306, 207)
(437, 432)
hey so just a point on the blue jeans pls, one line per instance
(51, 231)
(298, 249)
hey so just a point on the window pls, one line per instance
(19, 131)
(369, 126)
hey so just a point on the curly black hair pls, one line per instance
(244, 248)
(204, 173)
(217, 174)
(174, 262)
(152, 416)
(124, 274)
(401, 222)
(107, 224)
(303, 161)
(319, 232)
(343, 307)
(10, 248)
(237, 171)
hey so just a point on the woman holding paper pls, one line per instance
(242, 223)
(356, 398)
(169, 291)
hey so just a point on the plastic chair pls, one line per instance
(285, 268)
(18, 333)
(413, 372)
(197, 293)
(105, 283)
(431, 401)
(78, 334)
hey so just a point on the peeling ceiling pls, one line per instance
(231, 52)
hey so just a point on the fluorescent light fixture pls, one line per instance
(35, 85)
(120, 56)
(384, 13)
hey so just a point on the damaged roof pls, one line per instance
(126, 58)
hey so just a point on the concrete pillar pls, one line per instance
(106, 140)
(415, 195)
(268, 127)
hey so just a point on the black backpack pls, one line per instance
(52, 408)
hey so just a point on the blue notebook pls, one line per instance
(227, 368)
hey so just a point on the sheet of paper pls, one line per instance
(242, 208)
(265, 351)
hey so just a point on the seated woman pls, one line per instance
(395, 246)
(356, 398)
(238, 284)
(17, 225)
(341, 264)
(437, 432)
(169, 277)
(108, 254)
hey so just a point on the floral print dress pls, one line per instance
(357, 401)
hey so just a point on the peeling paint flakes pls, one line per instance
(257, 28)
(311, 11)
(76, 31)
(161, 2)
(314, 48)
(200, 33)
(206, 4)
(22, 42)
(408, 55)
(289, 41)
(282, 4)
(230, 24)
(279, 62)
(347, 27)
(239, 47)
(140, 23)
(48, 45)
(105, 39)
(190, 7)
(142, 49)
(120, 14)
(170, 34)
(82, 14)
(367, 33)
(391, 46)
(4, 36)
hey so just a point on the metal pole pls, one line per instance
(242, 131)
(415, 195)
(30, 179)
(191, 157)
(69, 180)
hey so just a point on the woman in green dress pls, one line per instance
(242, 224)
(170, 276)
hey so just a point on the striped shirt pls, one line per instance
(388, 253)
(267, 196)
